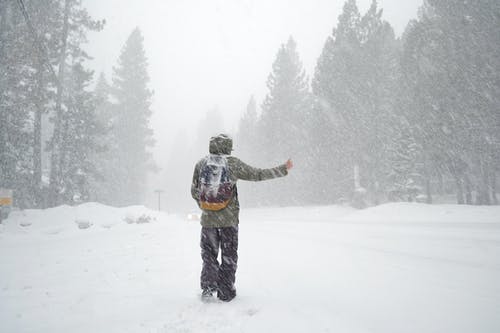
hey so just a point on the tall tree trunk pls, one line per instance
(427, 180)
(3, 110)
(486, 182)
(468, 190)
(37, 136)
(460, 193)
(55, 168)
(358, 200)
(483, 197)
(428, 191)
(494, 186)
(441, 190)
(63, 151)
(357, 183)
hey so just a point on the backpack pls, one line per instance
(216, 187)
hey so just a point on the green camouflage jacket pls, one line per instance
(229, 216)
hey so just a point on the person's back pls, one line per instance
(220, 222)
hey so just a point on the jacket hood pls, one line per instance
(221, 144)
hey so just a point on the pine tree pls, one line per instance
(336, 86)
(25, 94)
(379, 119)
(131, 127)
(16, 86)
(83, 138)
(449, 57)
(46, 20)
(28, 92)
(283, 126)
(105, 182)
(354, 84)
(405, 174)
(102, 92)
(72, 36)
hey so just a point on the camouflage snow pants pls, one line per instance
(215, 276)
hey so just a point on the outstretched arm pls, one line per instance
(246, 172)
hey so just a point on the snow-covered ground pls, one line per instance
(393, 268)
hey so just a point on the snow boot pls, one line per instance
(207, 295)
(226, 295)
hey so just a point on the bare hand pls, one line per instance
(289, 164)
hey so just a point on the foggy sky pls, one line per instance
(216, 53)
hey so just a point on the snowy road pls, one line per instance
(394, 268)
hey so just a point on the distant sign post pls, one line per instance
(159, 192)
(6, 199)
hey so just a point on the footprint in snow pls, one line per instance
(251, 312)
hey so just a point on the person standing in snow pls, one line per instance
(214, 189)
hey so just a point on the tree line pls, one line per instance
(385, 118)
(62, 140)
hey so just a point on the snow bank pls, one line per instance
(69, 218)
(94, 215)
(423, 213)
(400, 212)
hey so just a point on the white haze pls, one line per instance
(216, 53)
